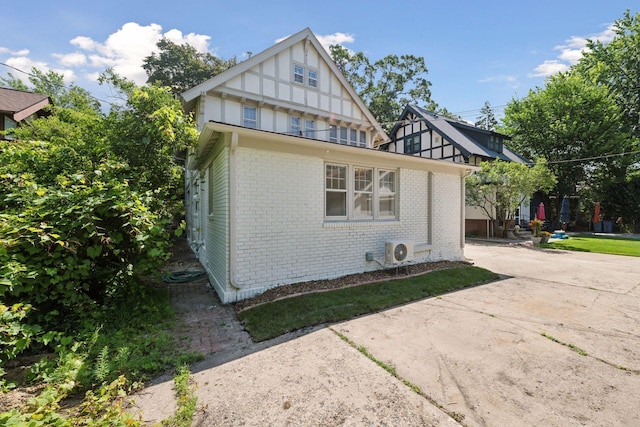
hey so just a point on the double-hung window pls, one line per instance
(250, 117)
(412, 144)
(359, 193)
(336, 191)
(305, 76)
(296, 126)
(309, 128)
(298, 74)
(362, 192)
(347, 136)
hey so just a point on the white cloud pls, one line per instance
(510, 81)
(199, 41)
(336, 38)
(26, 64)
(23, 52)
(75, 59)
(126, 49)
(329, 39)
(549, 68)
(570, 53)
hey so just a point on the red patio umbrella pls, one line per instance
(596, 213)
(541, 215)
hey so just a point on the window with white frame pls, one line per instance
(296, 125)
(312, 78)
(347, 136)
(336, 191)
(386, 193)
(305, 76)
(250, 117)
(309, 128)
(360, 192)
(298, 74)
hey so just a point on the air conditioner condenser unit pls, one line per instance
(398, 252)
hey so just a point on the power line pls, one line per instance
(60, 85)
(605, 156)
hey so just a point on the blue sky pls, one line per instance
(475, 51)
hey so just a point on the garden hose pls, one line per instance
(183, 276)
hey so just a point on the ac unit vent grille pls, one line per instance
(398, 252)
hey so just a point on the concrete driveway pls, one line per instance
(555, 343)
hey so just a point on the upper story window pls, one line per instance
(305, 76)
(495, 144)
(412, 144)
(302, 127)
(310, 128)
(298, 74)
(347, 136)
(250, 117)
(296, 126)
(312, 78)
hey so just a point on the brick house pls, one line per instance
(285, 185)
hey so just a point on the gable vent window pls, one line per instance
(305, 76)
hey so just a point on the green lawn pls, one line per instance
(599, 244)
(276, 318)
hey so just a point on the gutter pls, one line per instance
(233, 203)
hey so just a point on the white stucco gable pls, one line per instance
(293, 87)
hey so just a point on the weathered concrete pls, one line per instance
(481, 352)
(556, 342)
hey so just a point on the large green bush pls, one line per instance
(83, 217)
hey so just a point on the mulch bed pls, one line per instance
(294, 289)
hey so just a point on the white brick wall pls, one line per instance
(282, 236)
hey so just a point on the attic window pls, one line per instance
(298, 74)
(305, 76)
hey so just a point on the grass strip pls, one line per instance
(598, 244)
(186, 400)
(392, 370)
(273, 319)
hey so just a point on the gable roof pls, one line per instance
(190, 95)
(461, 135)
(20, 104)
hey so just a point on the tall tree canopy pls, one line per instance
(573, 124)
(487, 119)
(387, 85)
(616, 65)
(181, 66)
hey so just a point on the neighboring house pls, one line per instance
(425, 134)
(17, 106)
(286, 187)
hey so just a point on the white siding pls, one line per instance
(215, 257)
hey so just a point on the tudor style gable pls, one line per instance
(426, 134)
(292, 88)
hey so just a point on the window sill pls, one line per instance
(360, 223)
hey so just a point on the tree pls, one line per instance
(487, 119)
(500, 187)
(52, 84)
(616, 65)
(386, 85)
(181, 66)
(572, 123)
(87, 201)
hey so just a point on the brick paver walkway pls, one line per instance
(207, 325)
